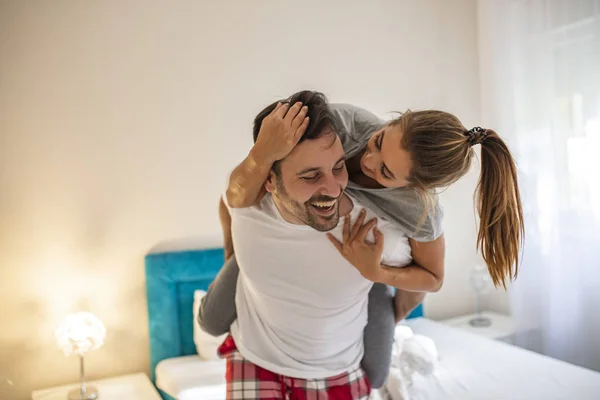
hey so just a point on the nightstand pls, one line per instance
(501, 328)
(127, 387)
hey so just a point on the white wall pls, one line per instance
(119, 121)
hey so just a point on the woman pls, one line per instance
(393, 169)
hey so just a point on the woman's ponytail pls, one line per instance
(501, 226)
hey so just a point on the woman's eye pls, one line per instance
(383, 173)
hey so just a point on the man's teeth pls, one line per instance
(323, 204)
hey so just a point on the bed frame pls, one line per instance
(171, 279)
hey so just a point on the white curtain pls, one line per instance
(540, 87)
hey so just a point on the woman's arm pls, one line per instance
(425, 274)
(246, 183)
(405, 302)
(279, 132)
(225, 219)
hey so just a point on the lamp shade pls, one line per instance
(480, 279)
(79, 333)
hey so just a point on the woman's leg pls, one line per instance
(379, 335)
(217, 308)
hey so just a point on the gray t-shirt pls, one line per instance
(401, 206)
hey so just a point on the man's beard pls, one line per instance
(307, 213)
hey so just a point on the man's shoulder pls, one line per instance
(263, 207)
(383, 224)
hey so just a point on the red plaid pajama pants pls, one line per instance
(246, 380)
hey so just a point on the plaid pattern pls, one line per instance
(246, 380)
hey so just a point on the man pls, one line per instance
(301, 307)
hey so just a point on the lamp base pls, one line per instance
(480, 322)
(90, 394)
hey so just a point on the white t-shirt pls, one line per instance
(301, 307)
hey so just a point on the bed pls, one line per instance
(470, 366)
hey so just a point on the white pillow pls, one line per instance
(206, 345)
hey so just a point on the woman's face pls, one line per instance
(385, 160)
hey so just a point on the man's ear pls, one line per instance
(270, 183)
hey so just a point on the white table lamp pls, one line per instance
(480, 282)
(77, 334)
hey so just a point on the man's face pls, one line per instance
(310, 183)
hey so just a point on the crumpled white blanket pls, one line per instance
(414, 359)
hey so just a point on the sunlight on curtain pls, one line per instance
(540, 71)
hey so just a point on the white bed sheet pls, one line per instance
(470, 367)
(191, 378)
(474, 367)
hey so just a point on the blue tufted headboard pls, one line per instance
(171, 279)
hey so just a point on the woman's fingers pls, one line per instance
(292, 113)
(299, 118)
(301, 129)
(346, 230)
(338, 245)
(281, 111)
(357, 225)
(362, 234)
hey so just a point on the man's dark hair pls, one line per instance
(321, 118)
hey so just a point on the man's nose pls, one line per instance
(331, 186)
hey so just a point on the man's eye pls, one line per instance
(310, 178)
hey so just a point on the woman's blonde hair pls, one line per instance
(441, 152)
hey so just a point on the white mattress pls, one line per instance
(191, 378)
(470, 367)
(474, 367)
